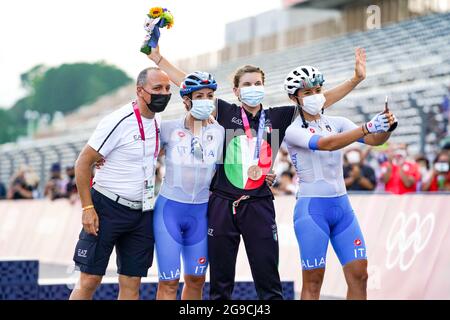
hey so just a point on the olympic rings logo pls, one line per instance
(400, 239)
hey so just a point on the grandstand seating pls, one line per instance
(409, 61)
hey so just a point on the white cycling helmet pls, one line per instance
(302, 77)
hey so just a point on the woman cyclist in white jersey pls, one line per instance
(192, 146)
(323, 211)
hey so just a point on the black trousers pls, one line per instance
(255, 221)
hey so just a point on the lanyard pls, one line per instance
(248, 132)
(142, 132)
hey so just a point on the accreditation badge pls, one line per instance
(148, 194)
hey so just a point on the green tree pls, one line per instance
(63, 88)
(8, 128)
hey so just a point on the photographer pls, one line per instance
(439, 179)
(55, 189)
(23, 184)
(357, 175)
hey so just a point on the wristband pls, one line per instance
(87, 207)
(364, 129)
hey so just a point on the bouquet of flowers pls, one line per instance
(157, 18)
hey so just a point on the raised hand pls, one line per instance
(360, 64)
(155, 55)
(380, 123)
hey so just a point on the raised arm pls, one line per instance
(175, 74)
(377, 139)
(339, 92)
(374, 132)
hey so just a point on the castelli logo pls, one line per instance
(357, 242)
(370, 125)
(312, 130)
(181, 134)
(202, 260)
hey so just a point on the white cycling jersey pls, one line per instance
(320, 173)
(188, 176)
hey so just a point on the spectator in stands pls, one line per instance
(380, 158)
(284, 185)
(2, 191)
(23, 184)
(439, 180)
(357, 175)
(423, 165)
(70, 187)
(399, 175)
(55, 187)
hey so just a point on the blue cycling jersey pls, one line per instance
(179, 222)
(323, 211)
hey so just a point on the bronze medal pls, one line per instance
(254, 172)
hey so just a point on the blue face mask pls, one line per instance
(252, 96)
(202, 109)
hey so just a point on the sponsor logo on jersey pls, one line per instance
(181, 134)
(328, 127)
(312, 130)
(237, 121)
(357, 242)
(202, 260)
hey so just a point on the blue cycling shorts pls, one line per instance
(318, 220)
(180, 229)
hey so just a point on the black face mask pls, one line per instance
(159, 102)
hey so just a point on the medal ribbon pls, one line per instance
(248, 132)
(137, 113)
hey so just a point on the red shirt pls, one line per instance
(434, 186)
(395, 184)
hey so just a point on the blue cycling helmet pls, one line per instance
(196, 81)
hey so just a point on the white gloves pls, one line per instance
(379, 123)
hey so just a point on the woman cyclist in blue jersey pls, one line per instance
(192, 146)
(323, 211)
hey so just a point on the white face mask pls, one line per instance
(353, 157)
(252, 96)
(313, 104)
(202, 109)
